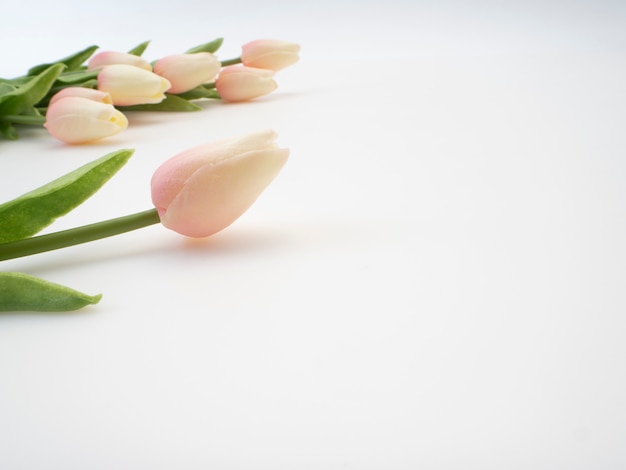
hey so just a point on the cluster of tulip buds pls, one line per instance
(83, 98)
(83, 114)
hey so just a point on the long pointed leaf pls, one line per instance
(211, 47)
(71, 62)
(6, 87)
(28, 214)
(22, 292)
(198, 93)
(139, 49)
(171, 103)
(77, 76)
(26, 96)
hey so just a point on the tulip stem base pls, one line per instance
(226, 63)
(78, 235)
(24, 119)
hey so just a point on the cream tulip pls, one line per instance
(206, 188)
(269, 54)
(129, 85)
(105, 58)
(80, 92)
(77, 120)
(241, 83)
(187, 71)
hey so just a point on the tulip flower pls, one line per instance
(206, 188)
(269, 54)
(187, 71)
(105, 58)
(241, 83)
(80, 92)
(78, 120)
(130, 85)
(195, 193)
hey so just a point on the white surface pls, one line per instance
(434, 281)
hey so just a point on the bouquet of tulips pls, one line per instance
(196, 193)
(82, 98)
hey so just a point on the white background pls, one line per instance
(434, 281)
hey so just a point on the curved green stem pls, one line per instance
(226, 63)
(78, 235)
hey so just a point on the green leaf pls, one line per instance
(6, 87)
(28, 214)
(77, 76)
(198, 93)
(26, 96)
(8, 131)
(172, 103)
(93, 83)
(71, 62)
(32, 111)
(211, 47)
(16, 81)
(139, 49)
(22, 292)
(75, 79)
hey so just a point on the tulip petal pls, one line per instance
(241, 83)
(187, 71)
(81, 92)
(229, 189)
(105, 58)
(269, 54)
(76, 120)
(206, 188)
(130, 85)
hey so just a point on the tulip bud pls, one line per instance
(105, 58)
(76, 120)
(187, 71)
(269, 54)
(206, 188)
(80, 92)
(241, 83)
(130, 85)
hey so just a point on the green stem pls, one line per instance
(226, 63)
(78, 235)
(24, 119)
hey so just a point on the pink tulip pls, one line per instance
(77, 120)
(269, 54)
(206, 188)
(241, 83)
(187, 71)
(130, 85)
(80, 92)
(105, 58)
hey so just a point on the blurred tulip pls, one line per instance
(105, 58)
(206, 188)
(76, 120)
(80, 92)
(269, 54)
(130, 85)
(187, 71)
(241, 83)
